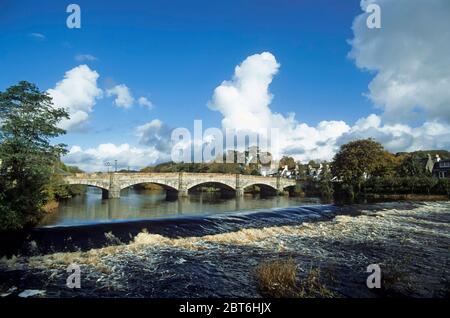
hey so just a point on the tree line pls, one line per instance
(363, 168)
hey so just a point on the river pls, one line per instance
(208, 249)
(147, 204)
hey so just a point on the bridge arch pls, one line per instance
(165, 186)
(260, 183)
(224, 185)
(265, 188)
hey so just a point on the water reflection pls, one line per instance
(144, 204)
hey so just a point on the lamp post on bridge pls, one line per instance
(108, 164)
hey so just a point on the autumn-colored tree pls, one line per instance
(388, 166)
(289, 161)
(358, 160)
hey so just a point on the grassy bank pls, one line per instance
(408, 197)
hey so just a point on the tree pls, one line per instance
(356, 161)
(388, 165)
(28, 121)
(411, 166)
(325, 183)
(287, 161)
(55, 189)
(302, 170)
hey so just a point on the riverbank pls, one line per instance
(50, 206)
(408, 197)
(410, 242)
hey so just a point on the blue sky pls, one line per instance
(175, 53)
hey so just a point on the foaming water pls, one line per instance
(87, 236)
(215, 256)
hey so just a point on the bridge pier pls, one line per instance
(114, 187)
(182, 188)
(239, 188)
(105, 194)
(280, 189)
(114, 194)
(239, 192)
(183, 192)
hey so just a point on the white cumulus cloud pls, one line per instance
(144, 101)
(78, 93)
(410, 56)
(399, 137)
(123, 95)
(94, 159)
(155, 134)
(244, 100)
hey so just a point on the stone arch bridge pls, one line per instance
(112, 183)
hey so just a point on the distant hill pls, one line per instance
(62, 168)
(444, 154)
(195, 167)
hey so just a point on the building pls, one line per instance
(441, 169)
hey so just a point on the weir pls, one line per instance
(112, 183)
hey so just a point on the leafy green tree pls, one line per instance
(411, 166)
(302, 170)
(57, 190)
(325, 183)
(313, 164)
(356, 161)
(28, 121)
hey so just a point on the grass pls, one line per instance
(313, 287)
(278, 279)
